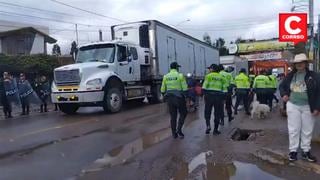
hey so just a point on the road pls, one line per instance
(133, 144)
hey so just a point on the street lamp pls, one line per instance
(187, 20)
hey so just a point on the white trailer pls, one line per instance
(131, 66)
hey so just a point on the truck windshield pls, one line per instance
(96, 53)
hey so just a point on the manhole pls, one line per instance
(245, 134)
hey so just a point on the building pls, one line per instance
(264, 54)
(23, 39)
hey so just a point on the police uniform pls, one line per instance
(228, 98)
(270, 90)
(242, 92)
(4, 100)
(275, 86)
(251, 78)
(174, 87)
(260, 85)
(215, 88)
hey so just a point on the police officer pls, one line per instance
(214, 87)
(7, 107)
(174, 87)
(242, 91)
(271, 87)
(251, 78)
(228, 98)
(260, 85)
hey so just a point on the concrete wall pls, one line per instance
(38, 45)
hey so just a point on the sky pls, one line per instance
(228, 19)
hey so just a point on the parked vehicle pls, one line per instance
(131, 66)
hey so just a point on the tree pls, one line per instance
(238, 40)
(220, 44)
(207, 39)
(74, 49)
(56, 50)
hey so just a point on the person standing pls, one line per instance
(27, 94)
(191, 82)
(228, 98)
(270, 85)
(301, 90)
(43, 91)
(23, 86)
(259, 86)
(4, 100)
(215, 88)
(242, 82)
(174, 87)
(9, 94)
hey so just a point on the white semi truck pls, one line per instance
(131, 66)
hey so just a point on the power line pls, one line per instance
(42, 10)
(50, 19)
(87, 11)
(230, 28)
(228, 24)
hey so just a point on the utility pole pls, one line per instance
(77, 36)
(317, 61)
(311, 24)
(100, 35)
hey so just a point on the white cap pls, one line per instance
(300, 58)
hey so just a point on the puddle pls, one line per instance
(202, 167)
(245, 135)
(121, 154)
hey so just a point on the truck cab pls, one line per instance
(99, 77)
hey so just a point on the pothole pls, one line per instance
(246, 134)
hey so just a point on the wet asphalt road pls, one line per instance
(133, 144)
(56, 146)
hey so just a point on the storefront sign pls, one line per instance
(250, 47)
(263, 56)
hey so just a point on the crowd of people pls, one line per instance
(300, 92)
(16, 91)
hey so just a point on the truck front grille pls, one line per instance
(67, 77)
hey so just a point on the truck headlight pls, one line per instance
(95, 84)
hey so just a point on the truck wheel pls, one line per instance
(69, 108)
(156, 95)
(112, 100)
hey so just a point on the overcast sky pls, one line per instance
(228, 19)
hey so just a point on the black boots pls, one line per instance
(43, 108)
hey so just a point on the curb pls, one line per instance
(280, 158)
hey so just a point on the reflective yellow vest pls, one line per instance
(173, 82)
(260, 81)
(215, 82)
(242, 81)
(228, 77)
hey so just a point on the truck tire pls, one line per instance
(156, 95)
(69, 108)
(112, 100)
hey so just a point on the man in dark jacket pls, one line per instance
(7, 108)
(301, 90)
(43, 91)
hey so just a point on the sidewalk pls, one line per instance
(273, 145)
(16, 111)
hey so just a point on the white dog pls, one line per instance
(260, 110)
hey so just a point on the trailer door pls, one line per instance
(191, 59)
(202, 62)
(171, 49)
